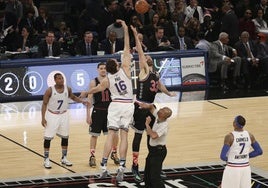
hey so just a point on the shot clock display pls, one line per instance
(28, 79)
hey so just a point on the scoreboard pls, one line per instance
(28, 79)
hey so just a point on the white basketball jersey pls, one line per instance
(58, 102)
(239, 151)
(120, 86)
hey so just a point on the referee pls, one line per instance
(157, 145)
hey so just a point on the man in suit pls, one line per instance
(112, 44)
(49, 47)
(181, 42)
(158, 41)
(229, 24)
(251, 66)
(87, 46)
(223, 57)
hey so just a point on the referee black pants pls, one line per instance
(153, 167)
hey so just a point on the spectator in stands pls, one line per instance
(223, 57)
(263, 5)
(158, 41)
(241, 6)
(172, 26)
(136, 22)
(28, 19)
(194, 11)
(64, 36)
(87, 46)
(29, 4)
(49, 47)
(116, 27)
(209, 28)
(150, 28)
(109, 14)
(247, 50)
(192, 28)
(230, 24)
(25, 40)
(44, 22)
(262, 52)
(246, 24)
(180, 11)
(180, 41)
(127, 9)
(259, 22)
(111, 44)
(13, 14)
(162, 9)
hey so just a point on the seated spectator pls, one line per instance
(111, 44)
(259, 22)
(44, 22)
(28, 20)
(194, 11)
(150, 28)
(87, 46)
(172, 26)
(209, 28)
(63, 36)
(246, 24)
(162, 9)
(251, 66)
(179, 9)
(116, 27)
(49, 47)
(223, 57)
(180, 41)
(25, 40)
(158, 41)
(192, 28)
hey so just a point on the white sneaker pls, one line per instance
(104, 172)
(64, 161)
(120, 174)
(47, 163)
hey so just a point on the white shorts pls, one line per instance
(120, 115)
(236, 177)
(56, 124)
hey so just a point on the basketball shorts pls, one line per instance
(57, 124)
(99, 122)
(236, 177)
(120, 115)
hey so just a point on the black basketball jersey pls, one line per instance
(101, 99)
(147, 88)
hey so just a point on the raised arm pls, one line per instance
(143, 66)
(126, 57)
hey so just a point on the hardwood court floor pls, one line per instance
(197, 129)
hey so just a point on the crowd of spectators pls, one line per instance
(168, 25)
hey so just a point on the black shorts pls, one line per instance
(99, 122)
(140, 118)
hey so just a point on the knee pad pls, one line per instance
(64, 142)
(47, 143)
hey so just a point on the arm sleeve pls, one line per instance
(224, 152)
(256, 150)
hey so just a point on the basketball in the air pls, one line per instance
(141, 6)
